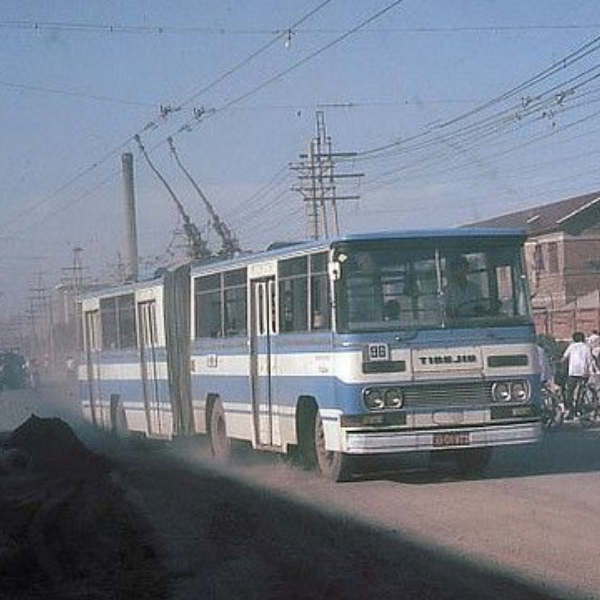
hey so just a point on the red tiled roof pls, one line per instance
(572, 215)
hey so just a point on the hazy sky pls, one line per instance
(79, 79)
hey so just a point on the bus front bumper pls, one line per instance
(382, 442)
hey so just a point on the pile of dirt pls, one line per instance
(53, 448)
(67, 530)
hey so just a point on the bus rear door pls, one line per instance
(263, 326)
(149, 365)
(92, 359)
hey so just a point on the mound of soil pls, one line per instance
(53, 448)
(67, 530)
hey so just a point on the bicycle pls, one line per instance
(586, 406)
(552, 412)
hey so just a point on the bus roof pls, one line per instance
(449, 233)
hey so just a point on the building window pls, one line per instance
(538, 259)
(553, 257)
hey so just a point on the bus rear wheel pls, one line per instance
(332, 465)
(220, 444)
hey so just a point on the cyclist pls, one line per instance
(581, 366)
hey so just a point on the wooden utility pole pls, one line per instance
(319, 183)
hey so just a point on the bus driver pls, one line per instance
(463, 297)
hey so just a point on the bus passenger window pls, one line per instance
(209, 310)
(319, 292)
(293, 294)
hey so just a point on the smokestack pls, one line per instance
(131, 267)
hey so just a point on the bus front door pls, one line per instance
(149, 369)
(263, 326)
(92, 359)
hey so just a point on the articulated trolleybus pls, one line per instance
(368, 344)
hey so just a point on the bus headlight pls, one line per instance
(520, 391)
(392, 398)
(380, 398)
(501, 392)
(373, 398)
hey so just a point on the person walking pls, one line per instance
(581, 367)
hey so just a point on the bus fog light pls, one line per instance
(520, 391)
(393, 398)
(373, 399)
(501, 392)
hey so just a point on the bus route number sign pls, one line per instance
(378, 352)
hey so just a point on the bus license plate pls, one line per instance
(441, 440)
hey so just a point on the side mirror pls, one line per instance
(335, 270)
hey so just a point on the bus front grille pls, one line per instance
(451, 394)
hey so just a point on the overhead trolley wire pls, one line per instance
(161, 29)
(575, 56)
(152, 124)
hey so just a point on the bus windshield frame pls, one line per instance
(395, 285)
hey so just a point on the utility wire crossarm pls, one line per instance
(198, 246)
(229, 243)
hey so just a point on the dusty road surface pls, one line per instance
(535, 513)
(260, 529)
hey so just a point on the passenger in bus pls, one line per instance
(365, 301)
(463, 297)
(391, 310)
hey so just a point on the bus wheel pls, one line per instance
(335, 466)
(473, 461)
(220, 444)
(118, 417)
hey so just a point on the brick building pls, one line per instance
(563, 262)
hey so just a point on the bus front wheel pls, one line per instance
(332, 465)
(220, 444)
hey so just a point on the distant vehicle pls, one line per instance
(328, 350)
(13, 371)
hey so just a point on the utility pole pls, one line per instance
(319, 181)
(73, 282)
(41, 305)
(131, 267)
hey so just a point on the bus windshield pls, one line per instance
(386, 288)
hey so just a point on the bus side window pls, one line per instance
(319, 292)
(209, 309)
(293, 294)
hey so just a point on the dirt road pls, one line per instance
(529, 529)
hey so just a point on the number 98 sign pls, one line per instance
(378, 352)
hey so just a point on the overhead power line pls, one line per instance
(188, 125)
(164, 114)
(46, 90)
(162, 30)
(579, 54)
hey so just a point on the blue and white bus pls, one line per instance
(368, 344)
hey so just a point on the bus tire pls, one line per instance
(220, 444)
(118, 417)
(305, 430)
(332, 465)
(473, 461)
